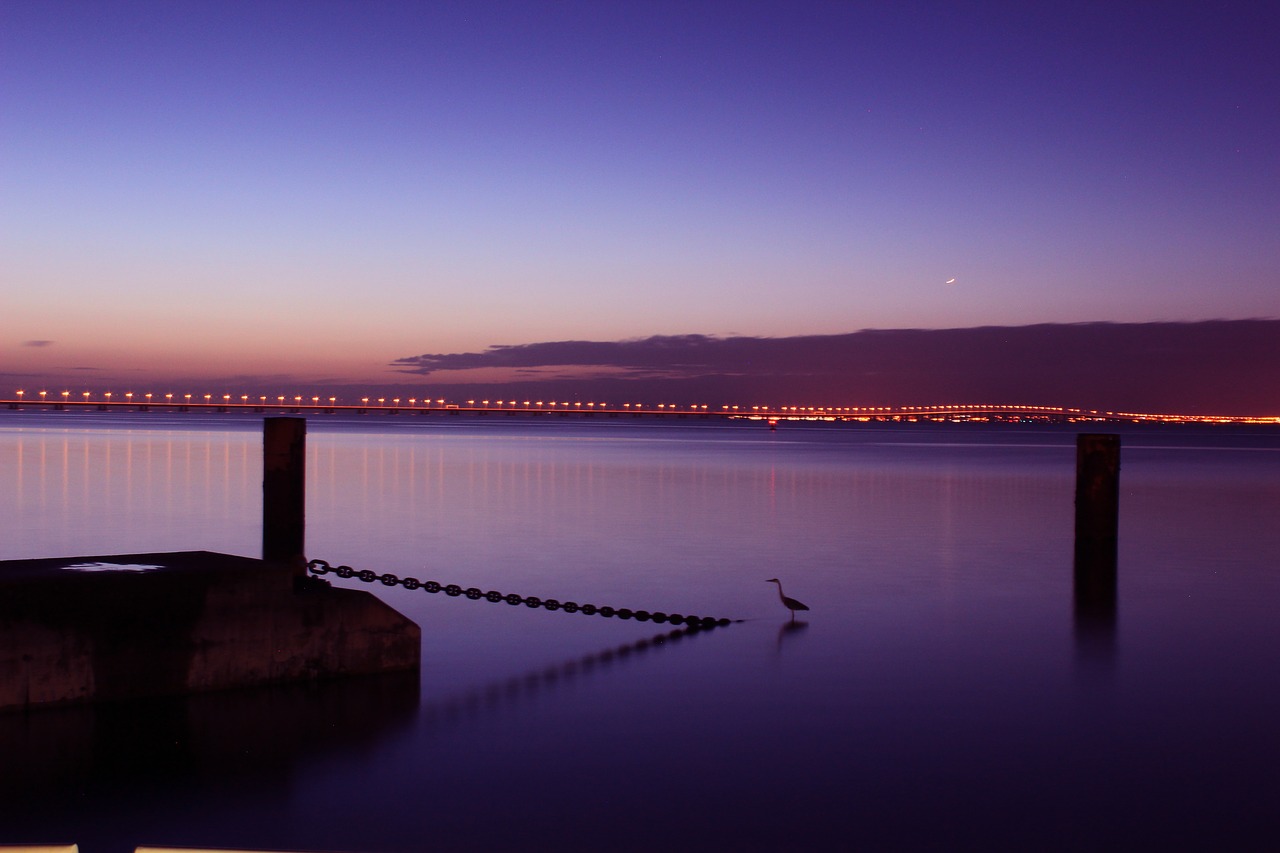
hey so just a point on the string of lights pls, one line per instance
(147, 401)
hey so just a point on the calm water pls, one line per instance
(938, 695)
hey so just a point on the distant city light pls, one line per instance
(947, 412)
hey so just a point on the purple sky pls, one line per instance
(306, 192)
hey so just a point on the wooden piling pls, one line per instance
(1097, 527)
(1097, 490)
(284, 460)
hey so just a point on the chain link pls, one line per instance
(321, 567)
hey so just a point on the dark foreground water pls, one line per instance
(942, 693)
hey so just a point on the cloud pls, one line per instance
(670, 356)
(1219, 365)
(37, 343)
(656, 357)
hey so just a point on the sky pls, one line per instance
(283, 193)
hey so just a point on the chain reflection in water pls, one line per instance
(533, 682)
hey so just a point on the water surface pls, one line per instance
(939, 693)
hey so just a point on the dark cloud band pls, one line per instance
(1220, 364)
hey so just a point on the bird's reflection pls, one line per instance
(792, 628)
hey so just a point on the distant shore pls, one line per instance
(950, 413)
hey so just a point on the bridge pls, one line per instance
(314, 405)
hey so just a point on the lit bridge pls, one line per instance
(952, 413)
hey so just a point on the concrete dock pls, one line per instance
(106, 628)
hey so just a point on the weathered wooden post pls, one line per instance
(1096, 540)
(1097, 498)
(284, 463)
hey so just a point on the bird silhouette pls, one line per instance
(789, 603)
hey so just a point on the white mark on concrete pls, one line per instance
(111, 567)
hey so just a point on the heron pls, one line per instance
(789, 603)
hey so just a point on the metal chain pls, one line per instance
(321, 567)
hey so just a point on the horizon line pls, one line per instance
(295, 404)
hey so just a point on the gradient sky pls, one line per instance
(312, 190)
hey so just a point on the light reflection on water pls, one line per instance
(939, 692)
